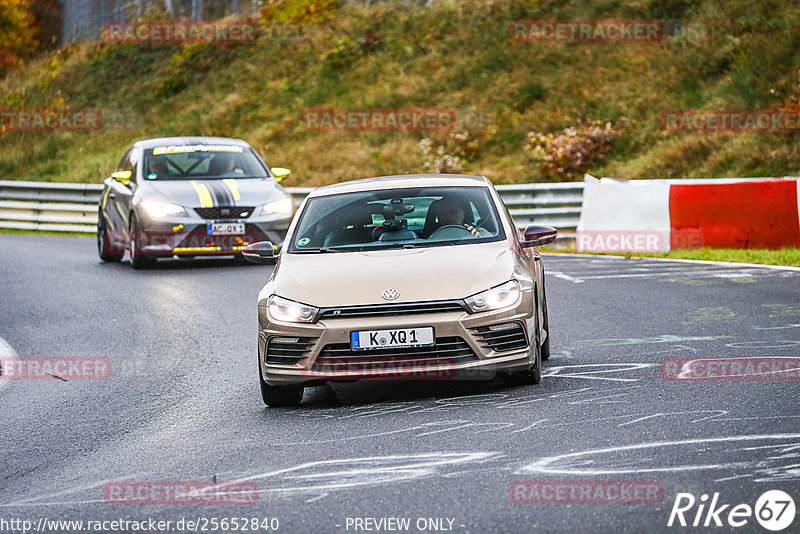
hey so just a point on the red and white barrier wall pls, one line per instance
(659, 215)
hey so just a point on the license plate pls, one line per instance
(225, 228)
(393, 338)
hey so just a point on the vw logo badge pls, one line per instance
(390, 294)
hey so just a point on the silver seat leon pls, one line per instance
(411, 277)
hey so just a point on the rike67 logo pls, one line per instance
(774, 510)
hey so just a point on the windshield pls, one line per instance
(202, 162)
(409, 218)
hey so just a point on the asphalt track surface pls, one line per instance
(182, 402)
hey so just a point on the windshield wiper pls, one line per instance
(354, 248)
(335, 249)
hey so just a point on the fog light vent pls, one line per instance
(502, 337)
(288, 350)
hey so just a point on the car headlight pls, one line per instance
(158, 210)
(282, 205)
(493, 299)
(291, 311)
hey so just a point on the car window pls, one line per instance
(518, 234)
(124, 163)
(133, 160)
(202, 162)
(413, 217)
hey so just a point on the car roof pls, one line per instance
(162, 141)
(402, 181)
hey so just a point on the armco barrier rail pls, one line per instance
(67, 207)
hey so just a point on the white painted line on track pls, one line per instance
(559, 274)
(714, 272)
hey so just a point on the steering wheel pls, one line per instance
(452, 226)
(479, 226)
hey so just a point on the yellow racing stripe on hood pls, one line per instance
(233, 186)
(203, 194)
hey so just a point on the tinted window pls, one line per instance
(418, 217)
(124, 163)
(202, 162)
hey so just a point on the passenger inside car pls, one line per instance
(223, 165)
(352, 227)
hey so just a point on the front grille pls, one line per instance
(288, 350)
(225, 212)
(502, 337)
(448, 351)
(387, 310)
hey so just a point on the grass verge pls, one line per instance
(14, 231)
(452, 55)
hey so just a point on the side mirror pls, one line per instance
(260, 252)
(536, 236)
(123, 177)
(280, 173)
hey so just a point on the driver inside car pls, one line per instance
(157, 168)
(450, 213)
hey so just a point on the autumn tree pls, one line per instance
(17, 33)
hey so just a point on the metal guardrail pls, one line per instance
(68, 207)
(557, 205)
(54, 207)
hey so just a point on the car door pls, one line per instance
(118, 195)
(126, 192)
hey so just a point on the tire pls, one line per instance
(277, 396)
(546, 344)
(106, 252)
(138, 260)
(532, 376)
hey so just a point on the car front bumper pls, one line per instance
(465, 349)
(188, 236)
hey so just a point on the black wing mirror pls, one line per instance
(536, 236)
(260, 252)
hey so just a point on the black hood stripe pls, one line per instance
(222, 196)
